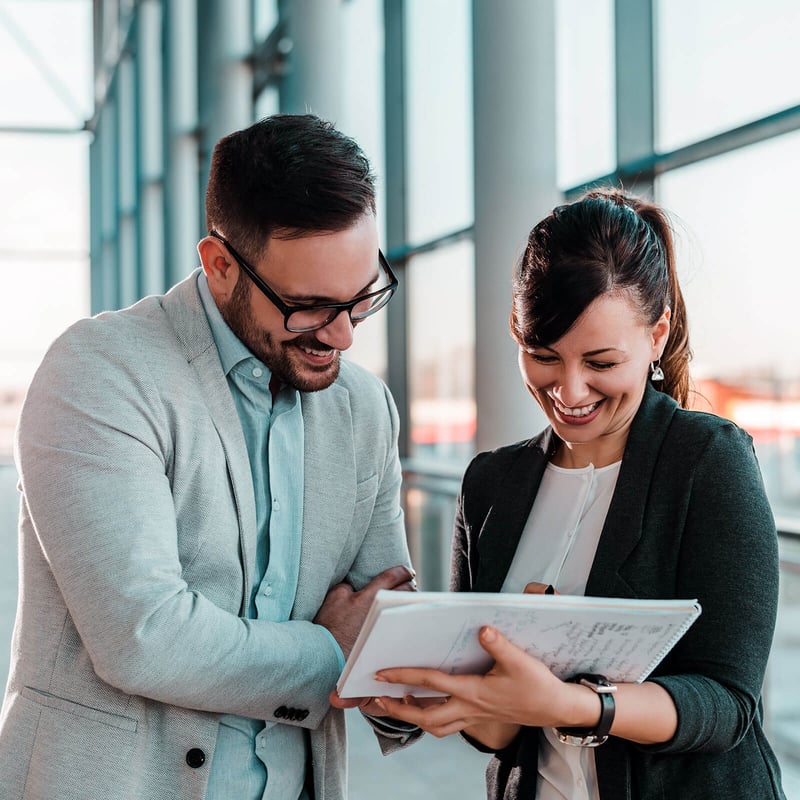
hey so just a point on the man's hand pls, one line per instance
(344, 609)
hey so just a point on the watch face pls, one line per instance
(597, 683)
(592, 737)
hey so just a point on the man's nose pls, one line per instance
(337, 334)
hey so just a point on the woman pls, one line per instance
(625, 494)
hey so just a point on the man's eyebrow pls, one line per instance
(316, 298)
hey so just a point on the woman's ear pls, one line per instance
(660, 333)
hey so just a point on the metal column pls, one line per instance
(515, 186)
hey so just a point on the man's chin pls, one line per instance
(308, 379)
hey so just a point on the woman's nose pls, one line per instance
(571, 388)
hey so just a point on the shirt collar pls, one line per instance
(231, 349)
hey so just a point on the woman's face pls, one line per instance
(591, 381)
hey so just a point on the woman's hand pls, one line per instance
(518, 690)
(365, 704)
(370, 706)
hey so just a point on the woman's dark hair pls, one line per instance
(285, 176)
(607, 241)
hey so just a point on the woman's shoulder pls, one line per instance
(705, 424)
(510, 456)
(695, 437)
(686, 426)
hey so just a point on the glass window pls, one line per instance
(441, 330)
(46, 74)
(439, 117)
(585, 106)
(737, 247)
(45, 82)
(267, 102)
(362, 118)
(45, 254)
(720, 65)
(265, 18)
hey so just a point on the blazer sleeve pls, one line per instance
(384, 543)
(93, 451)
(729, 560)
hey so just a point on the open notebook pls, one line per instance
(620, 638)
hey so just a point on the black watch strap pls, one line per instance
(592, 737)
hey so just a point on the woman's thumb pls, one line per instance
(491, 639)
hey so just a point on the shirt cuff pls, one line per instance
(388, 726)
(339, 653)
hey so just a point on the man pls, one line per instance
(198, 471)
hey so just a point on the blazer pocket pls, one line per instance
(65, 749)
(365, 502)
(359, 524)
(76, 709)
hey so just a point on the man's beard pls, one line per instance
(305, 377)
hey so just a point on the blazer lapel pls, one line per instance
(183, 306)
(626, 514)
(509, 512)
(329, 494)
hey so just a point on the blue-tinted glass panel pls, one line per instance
(265, 18)
(737, 245)
(362, 118)
(441, 330)
(585, 103)
(439, 117)
(720, 65)
(45, 63)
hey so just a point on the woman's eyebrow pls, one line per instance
(602, 350)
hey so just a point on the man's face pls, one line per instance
(318, 268)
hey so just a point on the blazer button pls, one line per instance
(281, 712)
(302, 715)
(195, 758)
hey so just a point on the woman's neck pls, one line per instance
(571, 455)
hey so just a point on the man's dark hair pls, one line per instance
(285, 176)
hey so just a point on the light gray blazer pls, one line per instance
(137, 537)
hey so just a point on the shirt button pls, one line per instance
(257, 372)
(267, 591)
(276, 506)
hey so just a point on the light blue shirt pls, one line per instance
(253, 759)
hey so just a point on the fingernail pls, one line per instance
(380, 703)
(488, 634)
(379, 677)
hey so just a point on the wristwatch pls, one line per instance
(592, 737)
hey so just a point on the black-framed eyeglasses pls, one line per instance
(313, 316)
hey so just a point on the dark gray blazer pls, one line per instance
(689, 518)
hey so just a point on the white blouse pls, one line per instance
(557, 547)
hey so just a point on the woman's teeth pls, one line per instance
(583, 411)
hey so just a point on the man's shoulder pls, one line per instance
(354, 376)
(132, 329)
